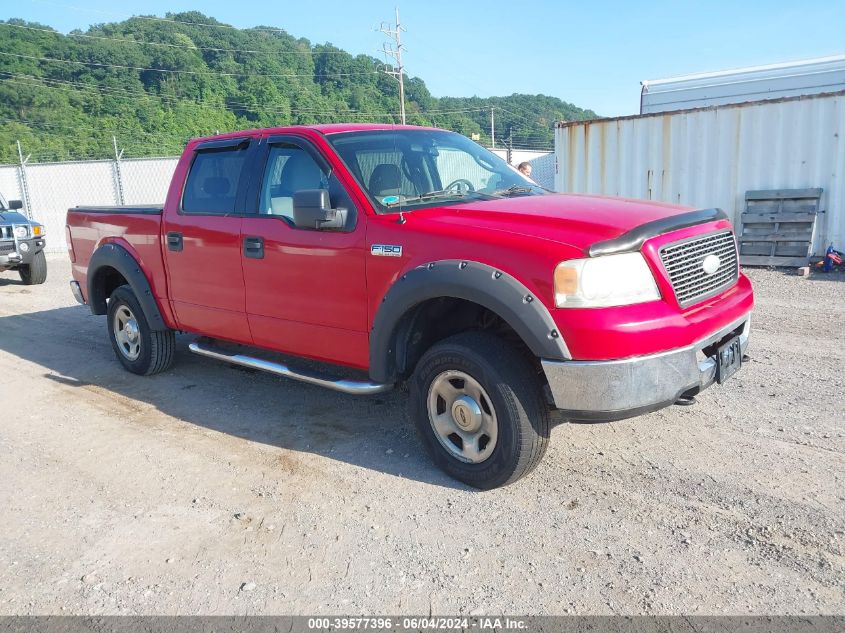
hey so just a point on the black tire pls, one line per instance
(36, 272)
(156, 348)
(515, 395)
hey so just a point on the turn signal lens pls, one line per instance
(37, 230)
(566, 280)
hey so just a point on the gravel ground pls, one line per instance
(214, 490)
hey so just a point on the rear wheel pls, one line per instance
(35, 272)
(479, 407)
(138, 348)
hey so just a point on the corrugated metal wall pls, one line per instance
(711, 157)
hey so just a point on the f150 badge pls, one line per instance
(386, 250)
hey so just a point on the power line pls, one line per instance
(179, 46)
(259, 29)
(465, 81)
(528, 115)
(132, 94)
(520, 116)
(157, 19)
(184, 72)
(142, 135)
(121, 92)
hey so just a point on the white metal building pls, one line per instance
(710, 157)
(755, 83)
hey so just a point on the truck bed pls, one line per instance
(135, 227)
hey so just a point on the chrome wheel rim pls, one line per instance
(126, 333)
(462, 416)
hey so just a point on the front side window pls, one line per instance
(407, 169)
(213, 180)
(291, 168)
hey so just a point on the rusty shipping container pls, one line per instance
(709, 157)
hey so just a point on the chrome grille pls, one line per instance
(6, 232)
(684, 263)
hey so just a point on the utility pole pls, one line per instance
(118, 176)
(24, 185)
(492, 128)
(509, 142)
(394, 50)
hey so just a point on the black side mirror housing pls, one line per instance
(312, 209)
(15, 204)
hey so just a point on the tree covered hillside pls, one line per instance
(155, 82)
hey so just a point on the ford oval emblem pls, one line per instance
(711, 264)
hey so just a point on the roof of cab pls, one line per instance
(323, 128)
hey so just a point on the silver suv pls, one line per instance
(21, 243)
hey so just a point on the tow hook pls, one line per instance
(687, 399)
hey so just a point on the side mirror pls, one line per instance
(312, 209)
(15, 204)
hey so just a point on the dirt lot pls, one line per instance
(209, 489)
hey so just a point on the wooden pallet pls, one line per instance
(777, 227)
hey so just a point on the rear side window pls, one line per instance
(213, 180)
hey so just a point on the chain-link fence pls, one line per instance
(48, 190)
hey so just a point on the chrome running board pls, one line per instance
(354, 387)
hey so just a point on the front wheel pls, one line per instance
(35, 272)
(479, 408)
(139, 349)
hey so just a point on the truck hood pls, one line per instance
(12, 217)
(577, 220)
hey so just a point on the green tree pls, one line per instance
(154, 84)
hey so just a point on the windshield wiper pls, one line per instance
(513, 189)
(428, 195)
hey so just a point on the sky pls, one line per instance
(592, 54)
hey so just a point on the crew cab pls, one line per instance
(22, 243)
(400, 254)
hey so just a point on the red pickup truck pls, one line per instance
(413, 255)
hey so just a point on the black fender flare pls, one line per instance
(117, 257)
(472, 281)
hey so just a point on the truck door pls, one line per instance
(202, 244)
(305, 288)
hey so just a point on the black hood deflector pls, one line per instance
(634, 239)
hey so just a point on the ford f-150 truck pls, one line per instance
(406, 255)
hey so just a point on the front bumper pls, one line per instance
(600, 391)
(11, 253)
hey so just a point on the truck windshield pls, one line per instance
(406, 169)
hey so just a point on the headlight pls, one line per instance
(20, 231)
(611, 280)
